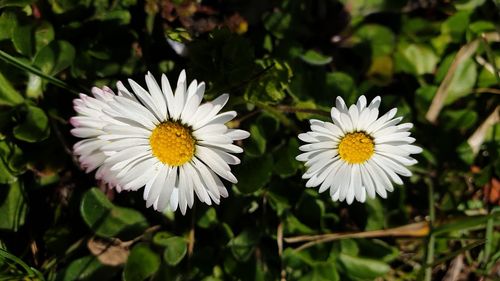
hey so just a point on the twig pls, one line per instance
(442, 93)
(420, 229)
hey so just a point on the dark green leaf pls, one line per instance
(34, 127)
(243, 245)
(13, 206)
(176, 249)
(108, 220)
(363, 268)
(18, 3)
(23, 39)
(315, 58)
(141, 264)
(8, 22)
(9, 95)
(54, 57)
(87, 268)
(254, 173)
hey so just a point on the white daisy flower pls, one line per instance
(160, 139)
(359, 154)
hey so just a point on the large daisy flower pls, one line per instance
(360, 153)
(161, 139)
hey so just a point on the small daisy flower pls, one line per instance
(359, 154)
(161, 139)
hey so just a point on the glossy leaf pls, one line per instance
(176, 249)
(108, 220)
(141, 264)
(34, 126)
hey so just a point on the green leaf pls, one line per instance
(9, 95)
(208, 219)
(6, 176)
(459, 119)
(465, 223)
(176, 249)
(340, 84)
(456, 25)
(322, 271)
(315, 58)
(286, 165)
(13, 206)
(254, 173)
(22, 38)
(376, 216)
(463, 80)
(243, 245)
(161, 237)
(44, 34)
(12, 156)
(34, 127)
(54, 57)
(8, 22)
(363, 268)
(87, 268)
(415, 59)
(18, 3)
(108, 220)
(468, 4)
(380, 38)
(141, 264)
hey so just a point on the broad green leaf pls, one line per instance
(18, 3)
(310, 210)
(44, 34)
(118, 16)
(6, 176)
(380, 38)
(363, 268)
(468, 4)
(176, 249)
(108, 220)
(55, 57)
(254, 173)
(459, 119)
(340, 84)
(8, 22)
(243, 245)
(322, 271)
(464, 151)
(23, 39)
(141, 264)
(376, 216)
(377, 249)
(286, 165)
(9, 95)
(12, 156)
(415, 59)
(456, 25)
(208, 219)
(315, 58)
(13, 206)
(463, 80)
(87, 268)
(465, 223)
(161, 237)
(257, 143)
(34, 127)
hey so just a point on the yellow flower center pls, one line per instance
(355, 148)
(172, 143)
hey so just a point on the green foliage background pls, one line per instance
(283, 62)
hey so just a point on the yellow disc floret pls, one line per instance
(356, 148)
(172, 143)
